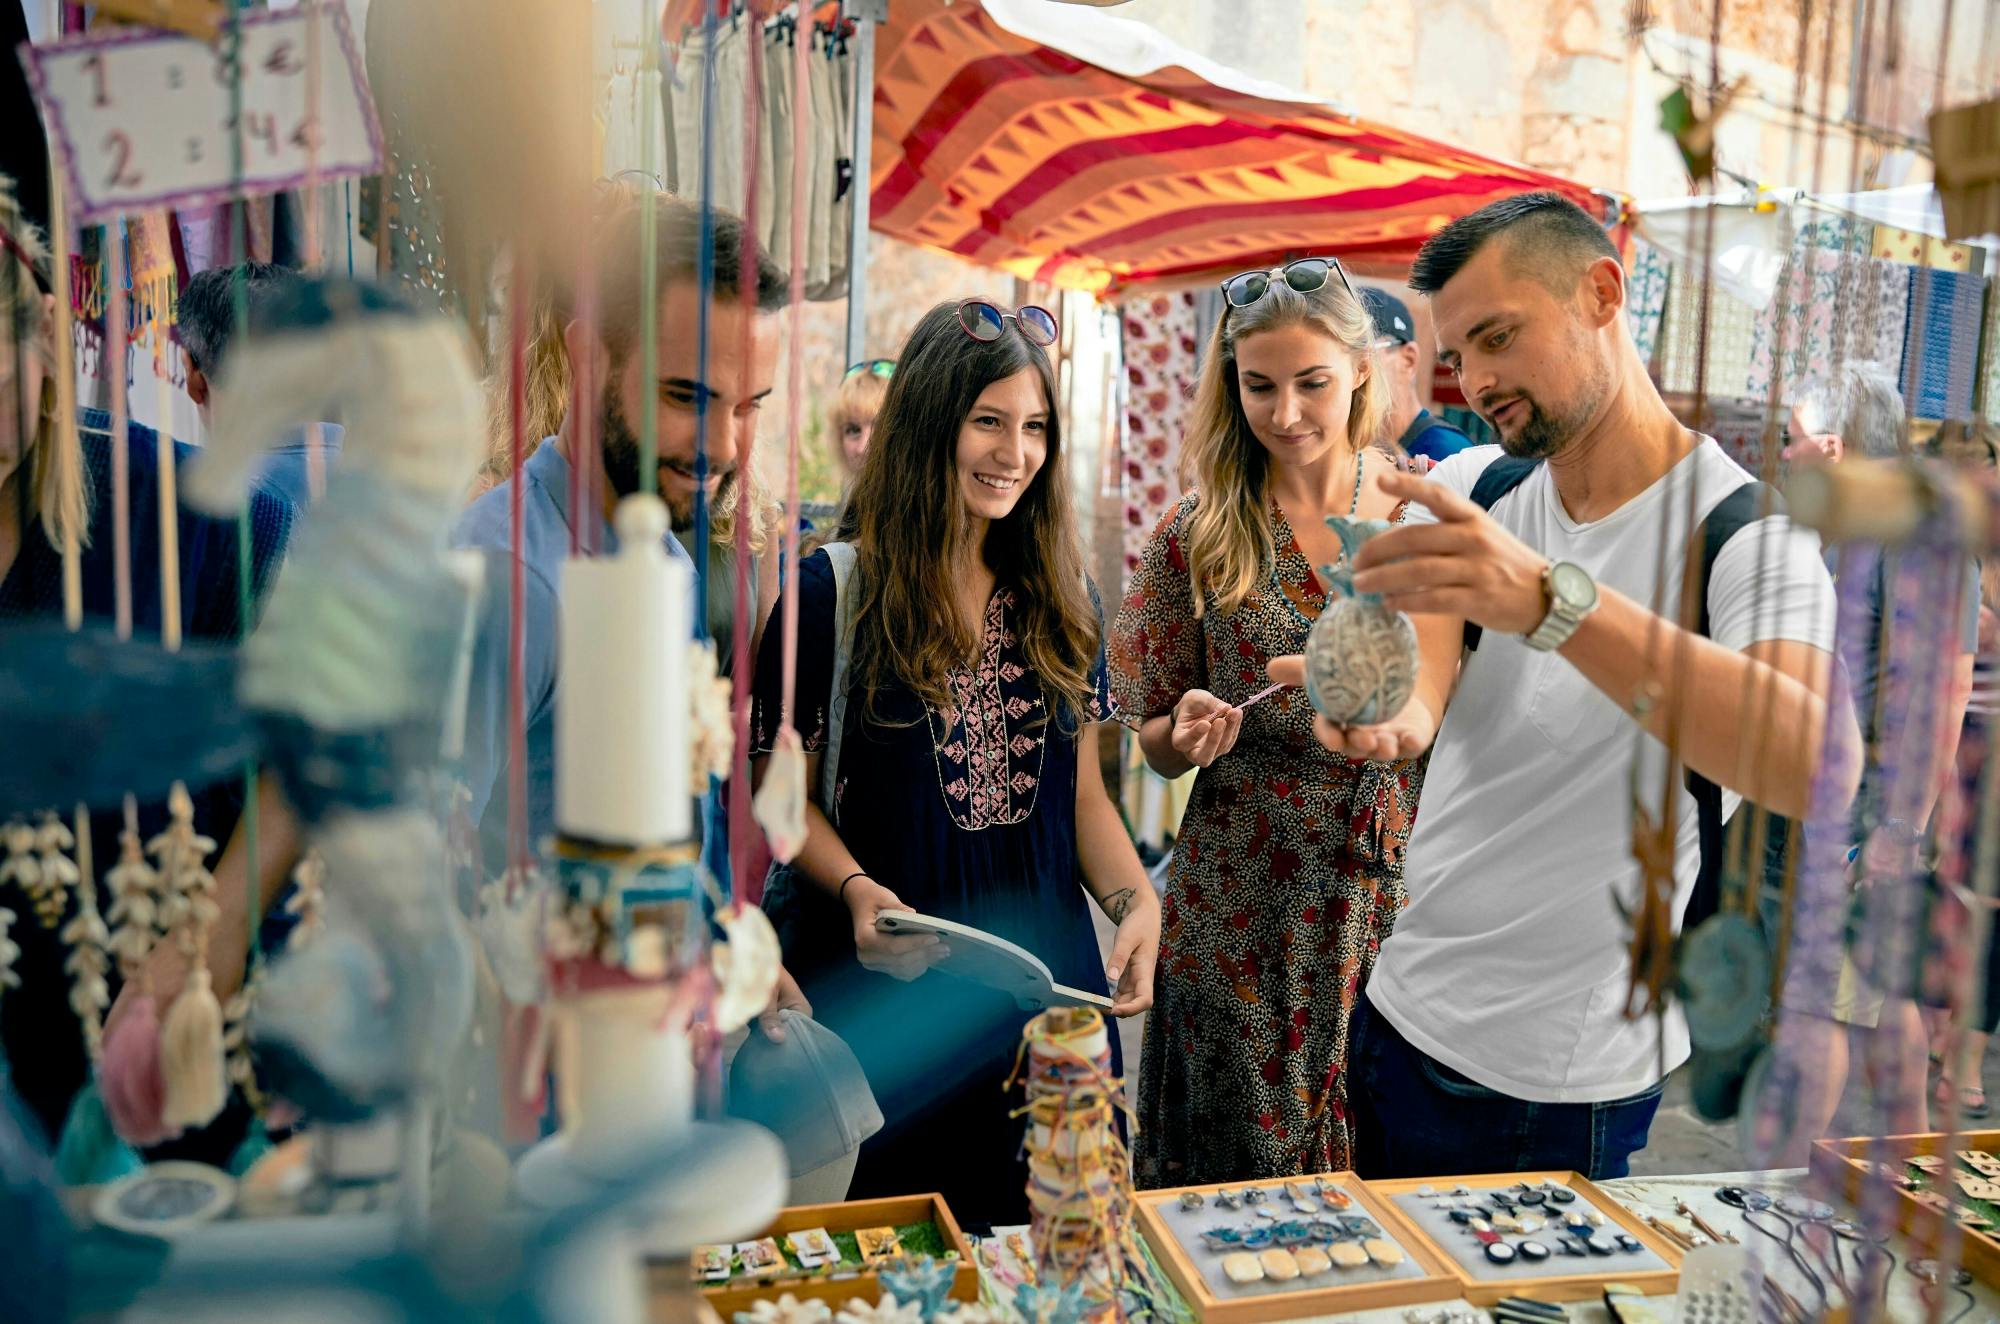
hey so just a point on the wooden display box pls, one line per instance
(1437, 1284)
(1843, 1166)
(742, 1292)
(1555, 1287)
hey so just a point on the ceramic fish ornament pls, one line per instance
(1361, 658)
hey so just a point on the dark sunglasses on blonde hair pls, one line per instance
(986, 322)
(1304, 275)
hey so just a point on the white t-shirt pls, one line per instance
(1509, 964)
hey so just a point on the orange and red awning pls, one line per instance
(1047, 147)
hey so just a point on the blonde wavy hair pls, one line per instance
(1230, 548)
(57, 493)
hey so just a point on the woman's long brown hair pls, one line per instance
(910, 528)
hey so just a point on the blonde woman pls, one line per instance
(851, 420)
(1287, 873)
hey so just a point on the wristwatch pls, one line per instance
(1572, 595)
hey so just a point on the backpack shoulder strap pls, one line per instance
(1746, 505)
(840, 555)
(1495, 481)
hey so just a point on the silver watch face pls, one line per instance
(1572, 586)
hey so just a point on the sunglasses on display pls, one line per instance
(987, 322)
(883, 368)
(1305, 275)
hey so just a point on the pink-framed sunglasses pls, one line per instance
(986, 322)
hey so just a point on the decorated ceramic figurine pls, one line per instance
(1361, 658)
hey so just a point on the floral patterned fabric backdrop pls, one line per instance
(1162, 357)
(1646, 295)
(1839, 307)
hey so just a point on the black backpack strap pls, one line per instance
(1747, 504)
(1497, 480)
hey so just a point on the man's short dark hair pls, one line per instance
(206, 314)
(677, 239)
(1553, 237)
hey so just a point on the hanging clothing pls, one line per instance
(1161, 353)
(828, 109)
(967, 814)
(840, 200)
(1287, 876)
(774, 215)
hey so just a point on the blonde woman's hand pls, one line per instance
(1204, 727)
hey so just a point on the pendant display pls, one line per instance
(1361, 657)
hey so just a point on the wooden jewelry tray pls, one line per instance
(1558, 1284)
(1305, 1297)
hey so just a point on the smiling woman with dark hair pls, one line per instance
(966, 783)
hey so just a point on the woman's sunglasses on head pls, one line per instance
(883, 368)
(986, 322)
(1304, 275)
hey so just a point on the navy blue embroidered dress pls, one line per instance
(968, 814)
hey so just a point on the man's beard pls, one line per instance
(621, 465)
(1543, 434)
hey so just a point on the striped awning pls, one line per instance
(1081, 149)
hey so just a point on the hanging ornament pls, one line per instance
(191, 1054)
(1692, 130)
(1968, 169)
(53, 842)
(23, 868)
(129, 1069)
(711, 732)
(89, 942)
(746, 967)
(9, 952)
(307, 899)
(1361, 657)
(236, 1037)
(780, 803)
(135, 903)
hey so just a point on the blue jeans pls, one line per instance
(1416, 1117)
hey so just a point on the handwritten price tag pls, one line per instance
(144, 119)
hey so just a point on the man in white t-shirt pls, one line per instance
(1492, 1036)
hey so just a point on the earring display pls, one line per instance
(1289, 1249)
(1955, 1177)
(1554, 1234)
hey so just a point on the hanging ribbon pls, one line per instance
(744, 838)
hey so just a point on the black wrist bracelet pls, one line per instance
(841, 895)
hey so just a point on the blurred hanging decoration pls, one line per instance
(201, 19)
(1690, 119)
(1965, 147)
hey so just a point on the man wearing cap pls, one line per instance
(1417, 431)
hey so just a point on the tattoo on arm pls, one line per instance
(1118, 903)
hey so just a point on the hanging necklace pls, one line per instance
(1354, 502)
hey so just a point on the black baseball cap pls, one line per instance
(1392, 317)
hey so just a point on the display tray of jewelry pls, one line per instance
(1284, 1249)
(1555, 1233)
(1956, 1176)
(834, 1253)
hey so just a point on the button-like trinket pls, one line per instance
(1499, 1252)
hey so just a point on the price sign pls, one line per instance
(144, 119)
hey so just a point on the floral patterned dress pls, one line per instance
(1287, 875)
(966, 813)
